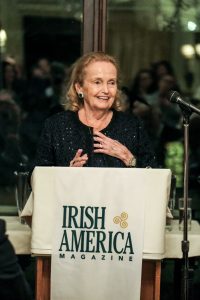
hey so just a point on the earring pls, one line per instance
(80, 95)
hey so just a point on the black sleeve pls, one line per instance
(45, 152)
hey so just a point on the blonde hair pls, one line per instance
(74, 103)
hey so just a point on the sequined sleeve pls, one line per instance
(145, 154)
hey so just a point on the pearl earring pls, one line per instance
(80, 95)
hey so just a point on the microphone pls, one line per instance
(175, 97)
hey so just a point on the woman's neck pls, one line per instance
(96, 119)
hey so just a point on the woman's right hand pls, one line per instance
(79, 160)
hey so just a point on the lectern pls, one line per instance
(137, 186)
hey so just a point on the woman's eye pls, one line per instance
(112, 82)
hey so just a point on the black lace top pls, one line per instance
(63, 134)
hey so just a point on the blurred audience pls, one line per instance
(11, 156)
(5, 95)
(43, 98)
(143, 85)
(161, 68)
(36, 109)
(12, 80)
(125, 100)
(161, 118)
(45, 67)
(170, 113)
(58, 79)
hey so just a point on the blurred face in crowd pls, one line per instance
(5, 96)
(9, 74)
(145, 80)
(166, 83)
(44, 65)
(99, 85)
(37, 72)
(161, 71)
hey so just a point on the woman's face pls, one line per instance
(9, 73)
(166, 83)
(99, 85)
(145, 80)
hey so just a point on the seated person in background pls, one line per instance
(143, 85)
(161, 68)
(93, 132)
(160, 133)
(12, 79)
(13, 285)
(5, 95)
(11, 156)
(151, 117)
(170, 113)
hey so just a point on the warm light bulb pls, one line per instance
(3, 38)
(197, 48)
(188, 51)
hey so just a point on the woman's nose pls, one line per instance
(105, 88)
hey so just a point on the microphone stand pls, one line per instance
(187, 110)
(186, 271)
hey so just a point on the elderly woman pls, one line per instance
(93, 132)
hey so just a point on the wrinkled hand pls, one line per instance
(106, 145)
(79, 160)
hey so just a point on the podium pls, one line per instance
(150, 284)
(151, 184)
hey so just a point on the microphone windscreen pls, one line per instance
(173, 96)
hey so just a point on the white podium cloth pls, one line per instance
(152, 184)
(20, 236)
(98, 236)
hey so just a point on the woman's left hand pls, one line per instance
(106, 145)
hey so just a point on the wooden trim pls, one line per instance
(157, 280)
(150, 283)
(94, 25)
(43, 278)
(102, 25)
(96, 31)
(88, 25)
(39, 277)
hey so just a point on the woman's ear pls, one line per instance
(78, 88)
(79, 91)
